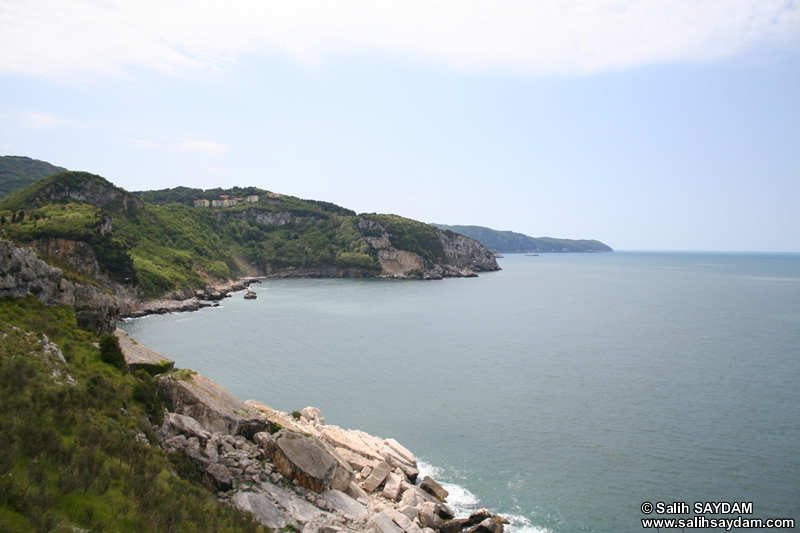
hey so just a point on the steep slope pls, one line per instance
(78, 448)
(17, 172)
(175, 248)
(511, 242)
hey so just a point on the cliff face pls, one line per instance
(88, 188)
(294, 470)
(461, 256)
(22, 273)
(465, 253)
(511, 242)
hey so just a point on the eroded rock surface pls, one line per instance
(306, 474)
(213, 407)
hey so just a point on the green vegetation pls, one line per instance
(411, 235)
(168, 245)
(111, 353)
(77, 443)
(76, 222)
(18, 172)
(159, 242)
(510, 242)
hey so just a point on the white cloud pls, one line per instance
(79, 38)
(39, 121)
(179, 146)
(34, 120)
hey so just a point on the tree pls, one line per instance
(14, 218)
(110, 352)
(3, 220)
(21, 216)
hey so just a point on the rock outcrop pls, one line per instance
(300, 472)
(461, 256)
(85, 187)
(308, 460)
(187, 300)
(215, 408)
(23, 273)
(138, 356)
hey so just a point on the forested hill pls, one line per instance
(511, 242)
(166, 244)
(17, 172)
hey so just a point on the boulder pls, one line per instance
(357, 461)
(299, 508)
(175, 424)
(432, 487)
(278, 419)
(477, 517)
(356, 492)
(263, 508)
(342, 503)
(353, 441)
(219, 477)
(398, 460)
(456, 525)
(493, 524)
(378, 475)
(429, 516)
(391, 489)
(403, 521)
(401, 450)
(216, 409)
(313, 415)
(312, 462)
(382, 523)
(415, 496)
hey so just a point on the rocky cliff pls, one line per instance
(294, 471)
(511, 242)
(23, 273)
(460, 257)
(286, 470)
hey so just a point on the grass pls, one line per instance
(71, 457)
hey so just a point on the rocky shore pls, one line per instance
(189, 300)
(290, 471)
(295, 471)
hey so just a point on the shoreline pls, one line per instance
(182, 302)
(296, 470)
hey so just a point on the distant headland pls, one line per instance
(511, 242)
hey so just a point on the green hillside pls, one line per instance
(78, 448)
(511, 242)
(17, 172)
(160, 242)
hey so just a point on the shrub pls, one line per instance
(145, 392)
(110, 352)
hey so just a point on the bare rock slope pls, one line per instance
(298, 471)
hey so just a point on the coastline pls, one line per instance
(295, 470)
(187, 301)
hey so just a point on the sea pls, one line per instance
(564, 392)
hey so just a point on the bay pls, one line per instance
(563, 391)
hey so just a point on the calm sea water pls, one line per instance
(562, 392)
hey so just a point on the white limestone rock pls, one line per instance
(378, 475)
(264, 509)
(342, 503)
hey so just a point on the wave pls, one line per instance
(464, 503)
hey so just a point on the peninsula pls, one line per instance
(100, 432)
(511, 242)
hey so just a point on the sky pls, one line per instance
(645, 124)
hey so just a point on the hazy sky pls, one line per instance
(648, 125)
